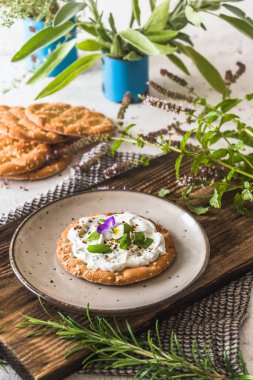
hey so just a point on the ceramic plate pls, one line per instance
(33, 258)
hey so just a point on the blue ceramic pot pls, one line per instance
(38, 57)
(120, 76)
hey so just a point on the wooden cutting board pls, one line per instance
(231, 240)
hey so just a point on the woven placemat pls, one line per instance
(215, 319)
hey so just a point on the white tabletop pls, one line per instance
(221, 44)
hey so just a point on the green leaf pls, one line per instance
(112, 23)
(241, 25)
(228, 104)
(69, 74)
(249, 96)
(66, 12)
(239, 204)
(162, 35)
(146, 243)
(128, 127)
(208, 71)
(125, 241)
(198, 210)
(139, 41)
(116, 145)
(219, 153)
(178, 165)
(127, 228)
(179, 63)
(52, 61)
(238, 12)
(162, 193)
(43, 38)
(116, 50)
(139, 236)
(89, 27)
(132, 56)
(165, 49)
(136, 11)
(93, 236)
(99, 248)
(90, 45)
(185, 138)
(215, 200)
(152, 4)
(145, 160)
(192, 16)
(159, 17)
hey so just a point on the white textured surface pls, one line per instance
(221, 44)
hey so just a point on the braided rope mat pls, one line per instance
(215, 319)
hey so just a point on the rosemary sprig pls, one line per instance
(112, 348)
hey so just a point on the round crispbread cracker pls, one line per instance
(69, 120)
(128, 276)
(48, 170)
(20, 156)
(14, 123)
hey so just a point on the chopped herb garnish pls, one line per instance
(146, 243)
(93, 236)
(125, 241)
(139, 237)
(102, 220)
(99, 248)
(82, 233)
(127, 228)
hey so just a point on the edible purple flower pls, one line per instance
(109, 223)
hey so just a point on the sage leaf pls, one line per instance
(52, 61)
(192, 16)
(198, 210)
(45, 37)
(162, 193)
(99, 248)
(209, 72)
(67, 11)
(90, 45)
(139, 41)
(69, 74)
(158, 18)
(179, 63)
(241, 25)
(93, 236)
(162, 35)
(125, 241)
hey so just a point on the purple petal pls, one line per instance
(110, 222)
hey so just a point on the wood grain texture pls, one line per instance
(231, 240)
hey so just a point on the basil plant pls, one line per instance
(162, 33)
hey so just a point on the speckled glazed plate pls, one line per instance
(33, 258)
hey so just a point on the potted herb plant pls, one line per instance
(36, 16)
(125, 53)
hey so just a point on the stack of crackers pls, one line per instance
(33, 140)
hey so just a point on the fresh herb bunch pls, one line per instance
(160, 34)
(112, 348)
(13, 10)
(221, 158)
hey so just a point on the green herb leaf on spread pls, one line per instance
(99, 248)
(127, 228)
(93, 236)
(102, 220)
(125, 241)
(139, 237)
(146, 243)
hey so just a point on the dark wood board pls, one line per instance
(231, 240)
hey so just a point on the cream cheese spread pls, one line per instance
(132, 241)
